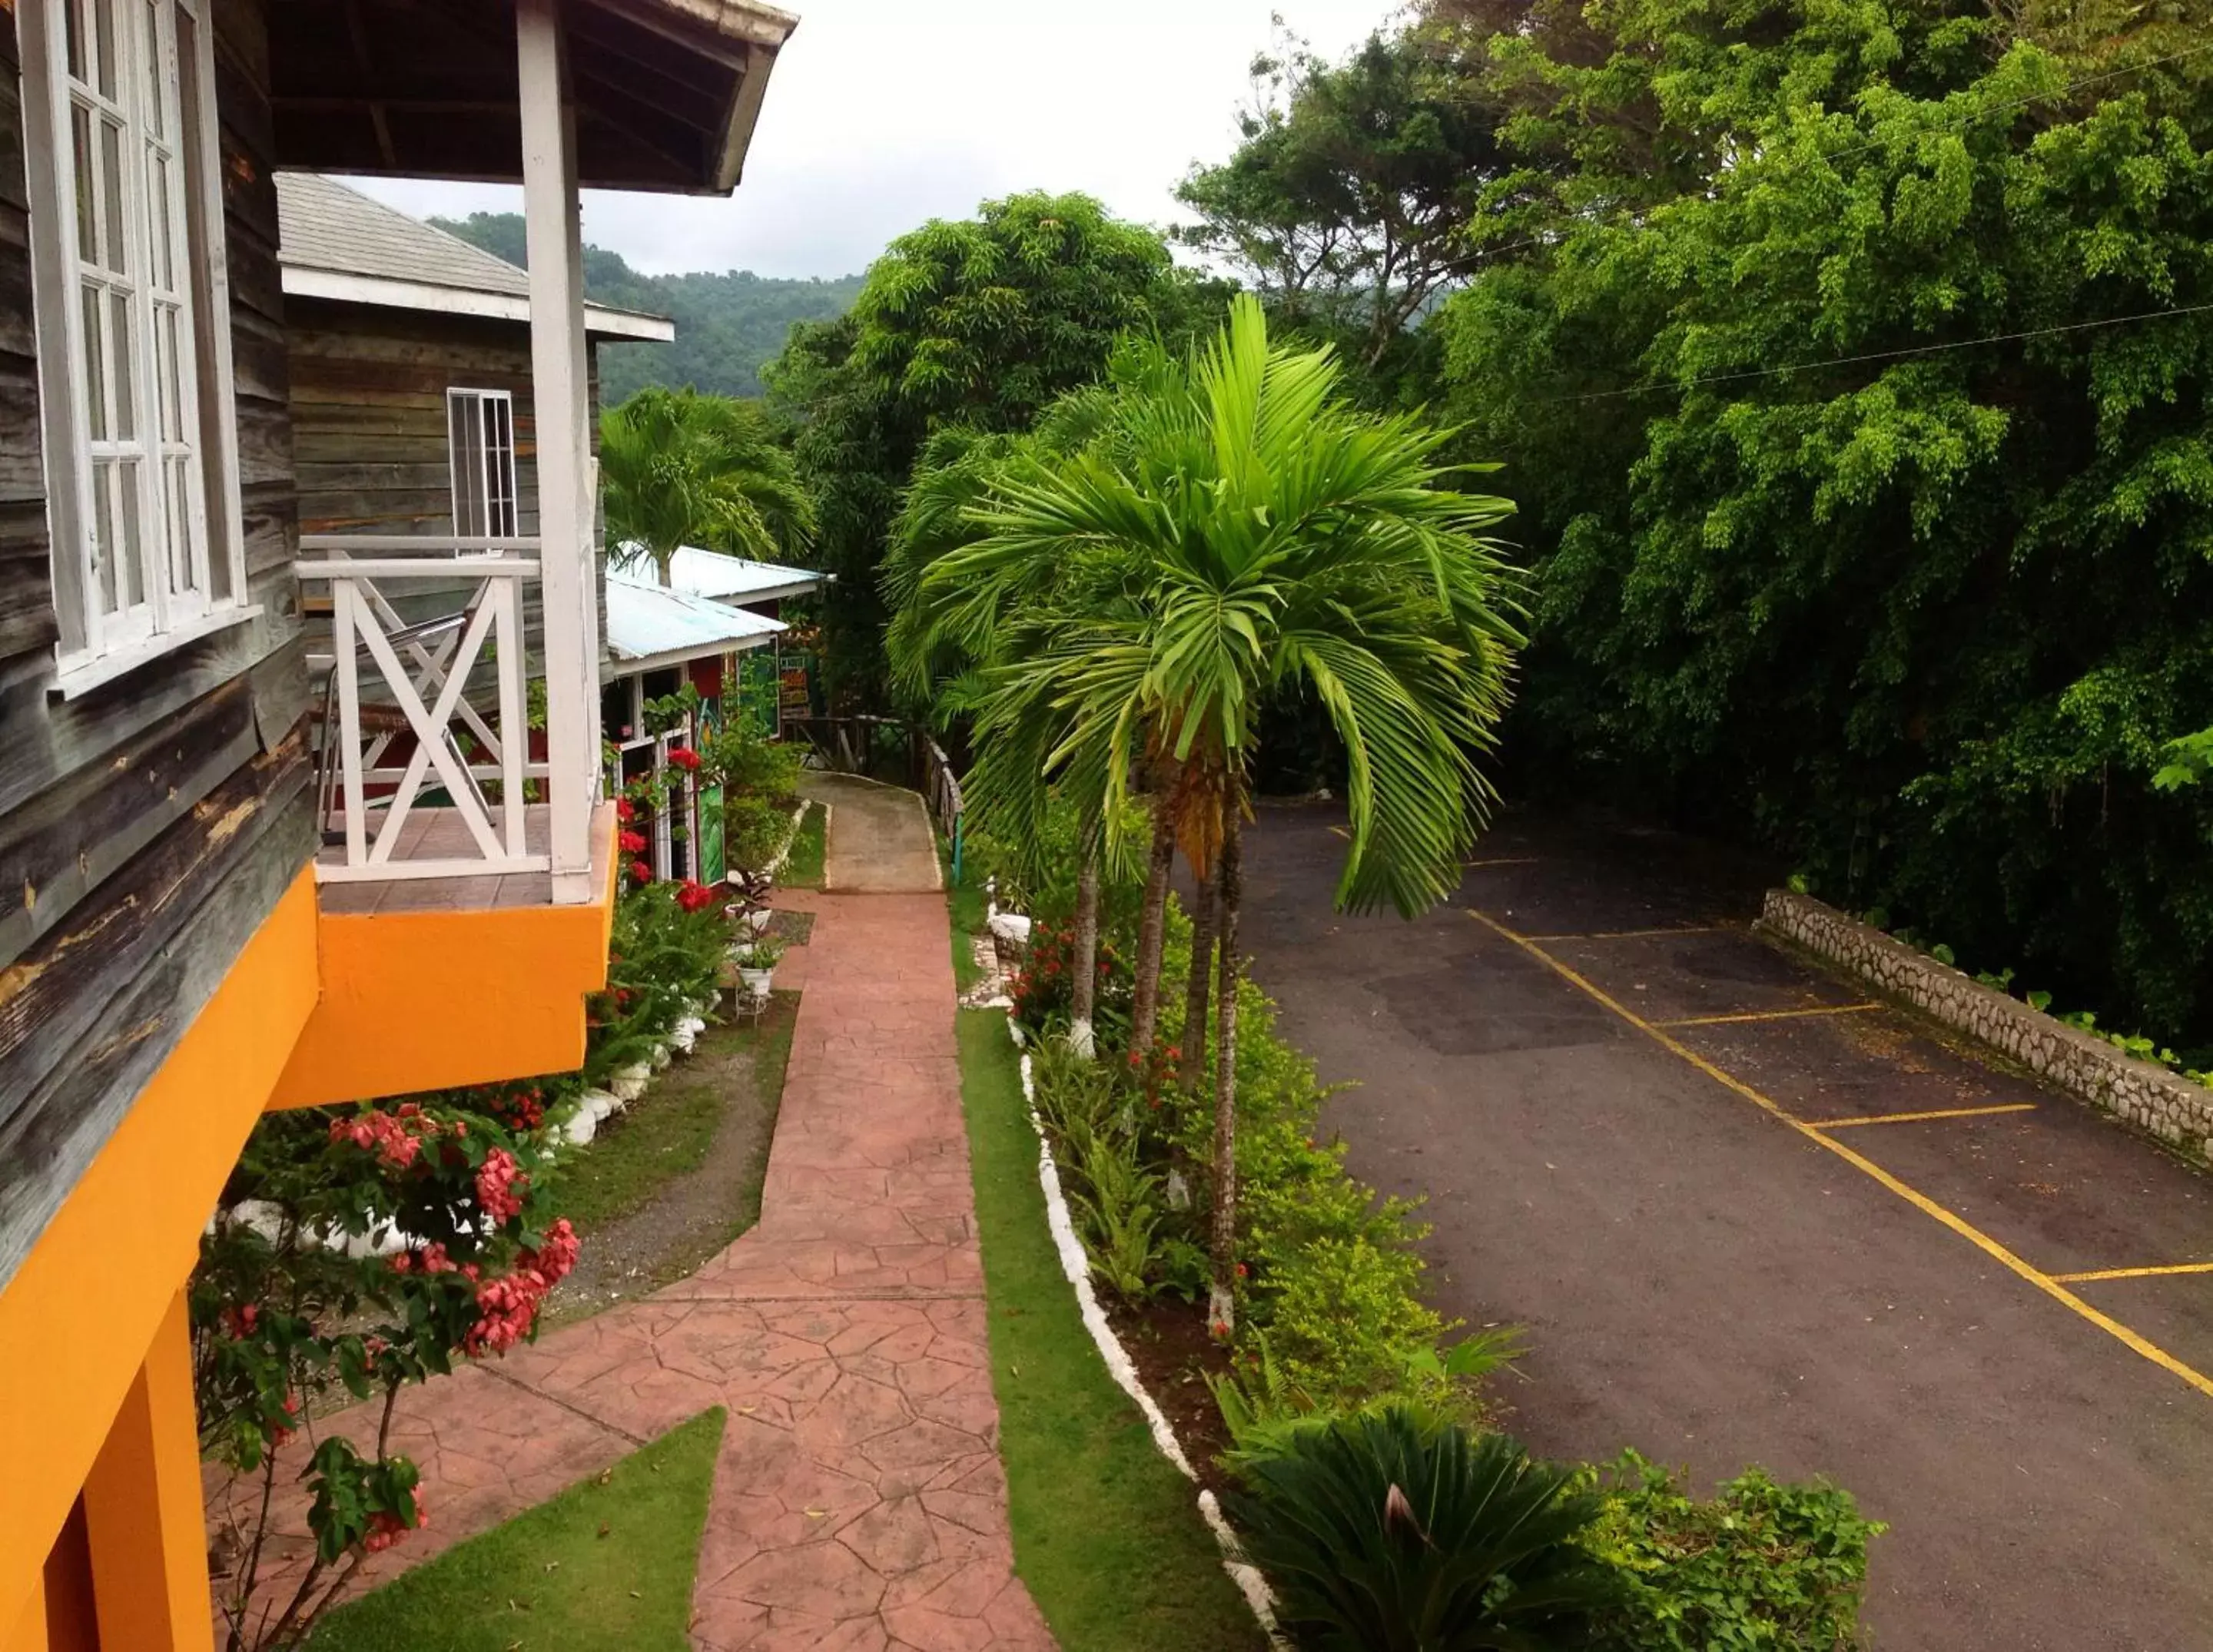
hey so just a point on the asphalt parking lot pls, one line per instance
(1750, 1216)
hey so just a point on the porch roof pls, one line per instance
(649, 625)
(666, 91)
(337, 243)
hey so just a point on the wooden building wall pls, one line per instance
(147, 828)
(370, 433)
(369, 412)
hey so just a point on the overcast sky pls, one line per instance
(882, 113)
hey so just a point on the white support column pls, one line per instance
(558, 390)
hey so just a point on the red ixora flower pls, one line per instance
(631, 843)
(497, 1179)
(386, 1529)
(640, 872)
(694, 896)
(624, 810)
(683, 757)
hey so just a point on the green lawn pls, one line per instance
(1107, 1535)
(604, 1567)
(968, 905)
(803, 868)
(667, 1131)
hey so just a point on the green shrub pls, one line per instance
(742, 760)
(753, 830)
(1391, 1531)
(1760, 1568)
(1346, 1319)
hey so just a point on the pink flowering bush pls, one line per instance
(356, 1250)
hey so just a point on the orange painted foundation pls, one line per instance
(92, 1321)
(430, 1000)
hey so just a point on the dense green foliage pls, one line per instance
(1759, 1568)
(977, 323)
(1867, 516)
(1390, 1531)
(729, 323)
(677, 468)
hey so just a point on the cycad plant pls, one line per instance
(677, 468)
(1234, 530)
(1390, 1531)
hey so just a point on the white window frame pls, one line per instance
(492, 413)
(185, 486)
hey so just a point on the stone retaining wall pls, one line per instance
(2175, 1109)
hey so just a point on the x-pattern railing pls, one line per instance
(424, 669)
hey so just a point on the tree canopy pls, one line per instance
(978, 323)
(1852, 372)
(678, 468)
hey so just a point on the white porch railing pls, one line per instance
(400, 686)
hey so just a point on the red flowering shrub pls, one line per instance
(640, 872)
(301, 1294)
(1043, 989)
(631, 843)
(683, 757)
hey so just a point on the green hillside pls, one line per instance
(727, 323)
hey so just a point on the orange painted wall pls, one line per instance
(424, 1001)
(81, 1314)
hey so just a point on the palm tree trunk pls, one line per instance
(664, 563)
(1152, 930)
(1085, 963)
(1192, 1060)
(1222, 1299)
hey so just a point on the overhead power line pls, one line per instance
(1876, 356)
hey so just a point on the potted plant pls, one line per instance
(757, 967)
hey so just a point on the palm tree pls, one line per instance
(677, 468)
(1240, 532)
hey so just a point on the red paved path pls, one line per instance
(859, 1502)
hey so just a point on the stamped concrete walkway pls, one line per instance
(859, 1502)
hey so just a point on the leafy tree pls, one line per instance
(978, 323)
(1237, 528)
(678, 468)
(1855, 387)
(728, 322)
(1351, 196)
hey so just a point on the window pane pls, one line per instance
(166, 365)
(466, 432)
(156, 77)
(103, 30)
(122, 345)
(183, 576)
(88, 234)
(130, 552)
(103, 534)
(112, 245)
(95, 384)
(73, 39)
(160, 268)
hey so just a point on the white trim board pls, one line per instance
(342, 288)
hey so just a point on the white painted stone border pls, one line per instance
(1077, 1268)
(798, 818)
(2177, 1110)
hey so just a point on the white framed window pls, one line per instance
(132, 309)
(480, 442)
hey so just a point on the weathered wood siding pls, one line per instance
(146, 829)
(370, 431)
(369, 412)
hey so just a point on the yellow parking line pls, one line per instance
(1916, 1117)
(1920, 1201)
(1636, 935)
(1768, 1014)
(2133, 1273)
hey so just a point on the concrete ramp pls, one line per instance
(879, 840)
